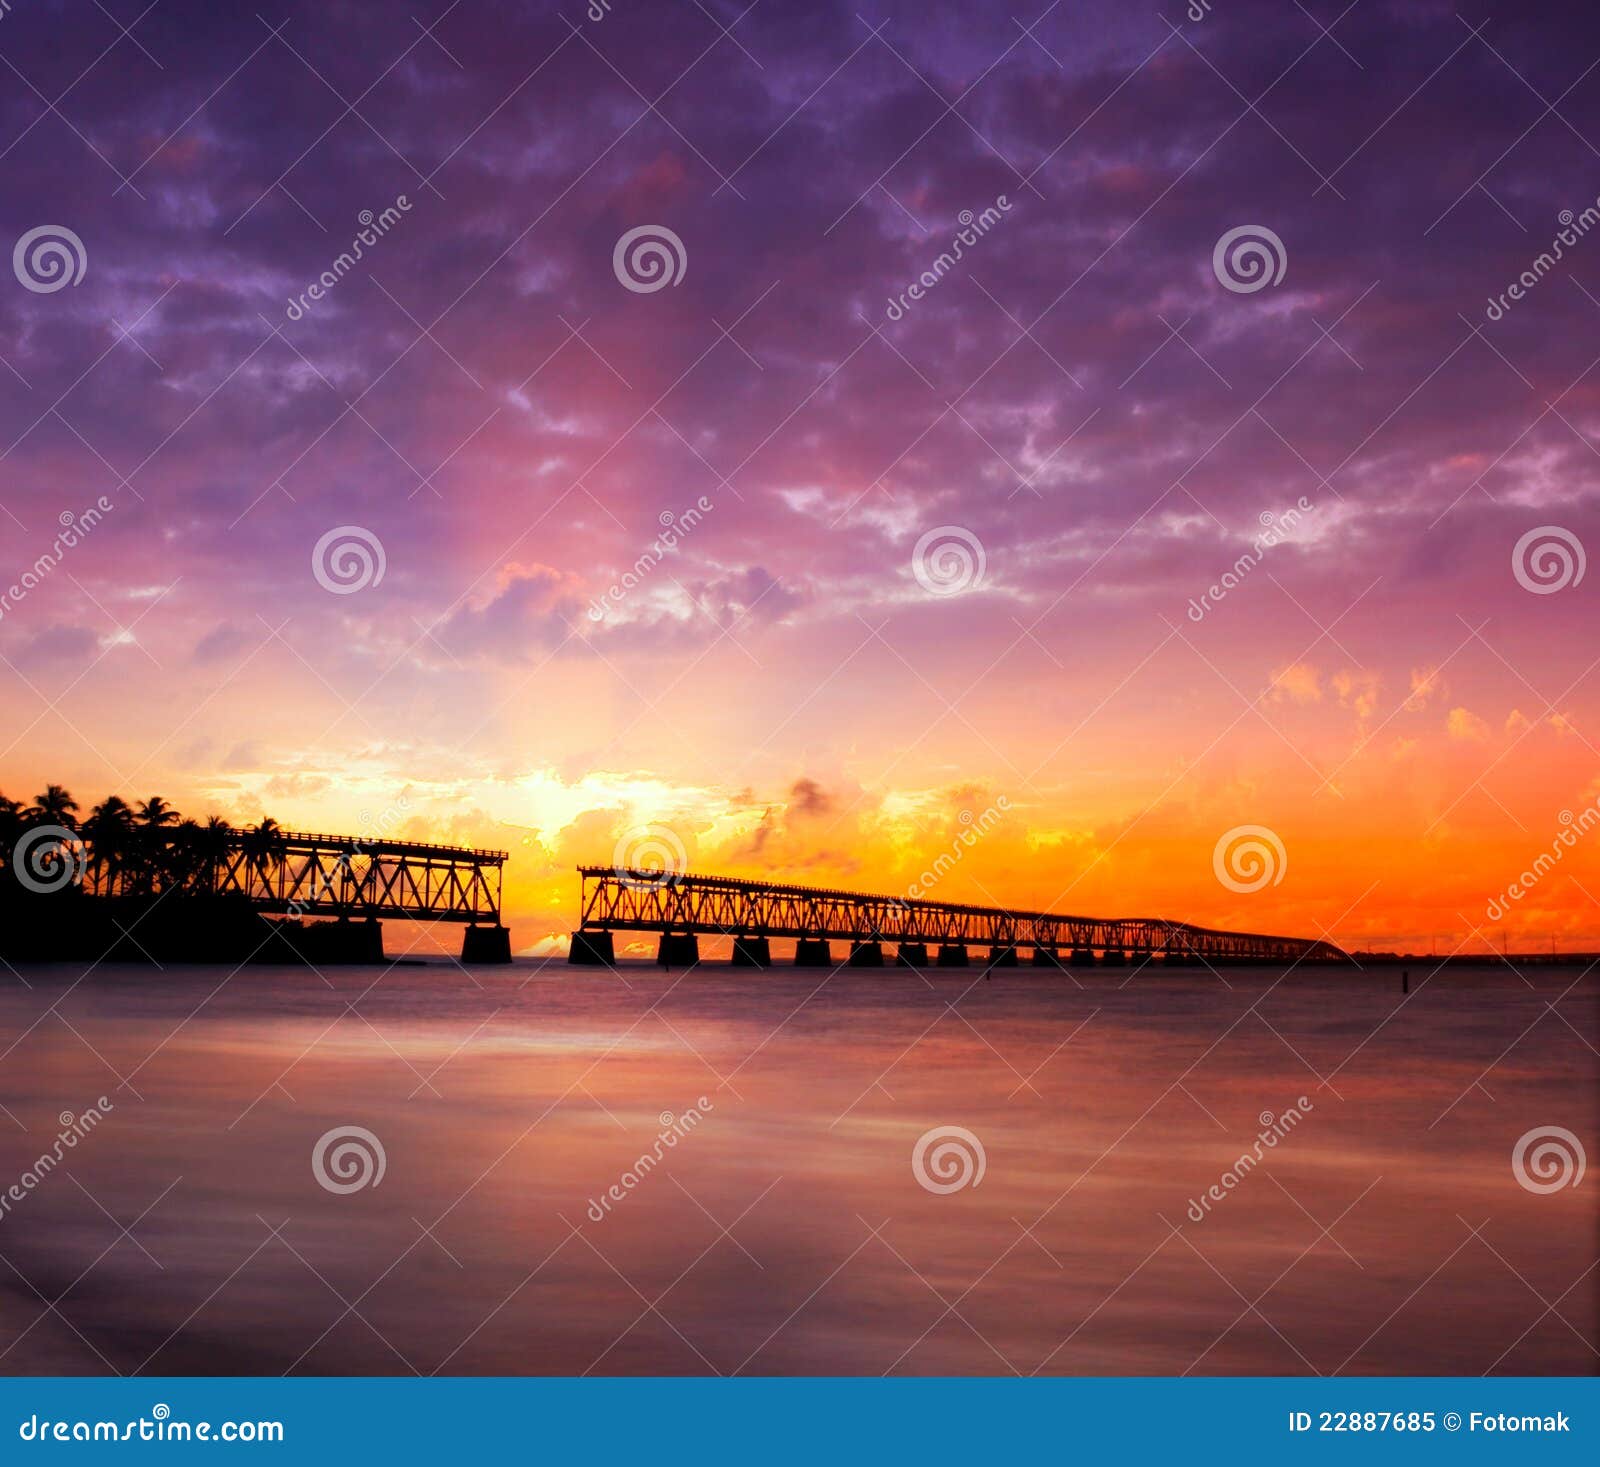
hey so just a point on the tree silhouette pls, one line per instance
(264, 843)
(109, 831)
(54, 807)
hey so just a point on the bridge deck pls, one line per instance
(670, 903)
(297, 873)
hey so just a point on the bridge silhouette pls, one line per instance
(681, 908)
(356, 880)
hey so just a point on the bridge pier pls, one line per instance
(592, 948)
(678, 950)
(751, 952)
(749, 914)
(340, 941)
(485, 944)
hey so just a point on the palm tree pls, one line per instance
(109, 830)
(154, 818)
(264, 843)
(10, 827)
(215, 841)
(186, 855)
(54, 807)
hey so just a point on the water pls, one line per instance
(784, 1231)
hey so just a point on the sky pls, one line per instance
(813, 441)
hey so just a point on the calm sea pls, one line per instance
(1393, 1193)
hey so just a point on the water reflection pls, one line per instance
(785, 1229)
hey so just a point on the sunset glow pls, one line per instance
(1075, 390)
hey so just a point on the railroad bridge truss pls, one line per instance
(680, 908)
(357, 880)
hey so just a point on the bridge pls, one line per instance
(354, 879)
(681, 908)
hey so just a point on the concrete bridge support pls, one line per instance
(485, 944)
(866, 954)
(1114, 957)
(1046, 957)
(1082, 957)
(752, 952)
(952, 955)
(678, 950)
(590, 948)
(1002, 957)
(912, 955)
(812, 952)
(342, 941)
